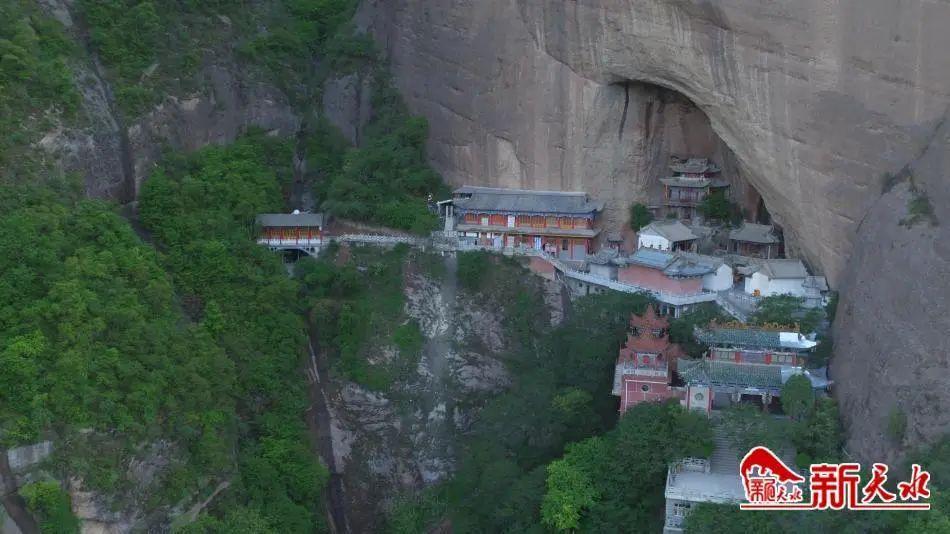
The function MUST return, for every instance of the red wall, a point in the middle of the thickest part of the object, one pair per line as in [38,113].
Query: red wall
[656,280]
[632,394]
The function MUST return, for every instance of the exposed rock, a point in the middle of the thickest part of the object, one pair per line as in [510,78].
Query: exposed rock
[229,104]
[817,100]
[348,104]
[892,352]
[481,326]
[23,458]
[475,372]
[96,515]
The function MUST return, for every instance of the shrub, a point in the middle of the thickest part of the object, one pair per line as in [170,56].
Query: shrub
[473,267]
[896,424]
[640,216]
[51,504]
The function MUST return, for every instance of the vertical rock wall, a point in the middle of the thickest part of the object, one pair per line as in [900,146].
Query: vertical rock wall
[817,99]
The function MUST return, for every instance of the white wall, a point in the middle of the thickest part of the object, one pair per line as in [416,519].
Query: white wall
[768,288]
[719,280]
[653,241]
[792,286]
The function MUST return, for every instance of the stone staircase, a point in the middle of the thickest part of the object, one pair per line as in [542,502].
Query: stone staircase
[725,458]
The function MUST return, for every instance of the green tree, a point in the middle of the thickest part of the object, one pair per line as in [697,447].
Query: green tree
[570,489]
[818,436]
[51,504]
[640,216]
[717,206]
[797,396]
[473,266]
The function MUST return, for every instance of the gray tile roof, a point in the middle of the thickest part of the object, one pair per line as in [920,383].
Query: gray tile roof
[777,269]
[682,181]
[754,233]
[730,374]
[493,199]
[673,264]
[290,219]
[693,166]
[604,256]
[648,257]
[740,337]
[671,230]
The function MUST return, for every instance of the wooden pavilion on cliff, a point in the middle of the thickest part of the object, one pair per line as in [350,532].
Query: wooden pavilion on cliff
[643,372]
[692,181]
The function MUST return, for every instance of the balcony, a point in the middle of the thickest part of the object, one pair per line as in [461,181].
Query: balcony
[290,242]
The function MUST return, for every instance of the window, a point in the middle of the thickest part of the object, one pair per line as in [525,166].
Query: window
[564,244]
[680,509]
[645,388]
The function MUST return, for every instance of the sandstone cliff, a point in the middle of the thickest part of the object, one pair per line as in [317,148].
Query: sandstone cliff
[817,100]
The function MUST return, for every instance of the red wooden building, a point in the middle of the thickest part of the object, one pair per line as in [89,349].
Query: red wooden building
[644,366]
[561,223]
[285,231]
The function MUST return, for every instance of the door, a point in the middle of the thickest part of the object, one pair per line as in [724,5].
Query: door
[511,221]
[537,243]
[580,251]
[510,241]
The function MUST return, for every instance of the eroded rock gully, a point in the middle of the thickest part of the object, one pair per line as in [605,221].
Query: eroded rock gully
[818,100]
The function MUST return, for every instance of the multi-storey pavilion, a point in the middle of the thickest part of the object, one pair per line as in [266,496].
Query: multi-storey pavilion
[692,181]
[643,372]
[561,223]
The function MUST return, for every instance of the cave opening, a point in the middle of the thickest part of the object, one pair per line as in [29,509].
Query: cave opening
[672,160]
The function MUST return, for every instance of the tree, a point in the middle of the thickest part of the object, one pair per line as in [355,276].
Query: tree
[570,490]
[52,507]
[716,206]
[818,436]
[640,216]
[797,396]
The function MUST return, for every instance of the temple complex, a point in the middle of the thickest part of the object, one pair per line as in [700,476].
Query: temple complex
[745,362]
[643,372]
[563,224]
[693,180]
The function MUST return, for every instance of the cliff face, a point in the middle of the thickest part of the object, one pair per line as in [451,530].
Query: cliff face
[115,155]
[817,100]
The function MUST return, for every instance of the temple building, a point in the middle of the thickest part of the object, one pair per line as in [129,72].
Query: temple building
[755,240]
[693,180]
[776,277]
[745,363]
[667,235]
[291,231]
[643,371]
[677,274]
[564,224]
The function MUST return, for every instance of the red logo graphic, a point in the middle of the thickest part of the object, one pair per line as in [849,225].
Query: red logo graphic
[770,484]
